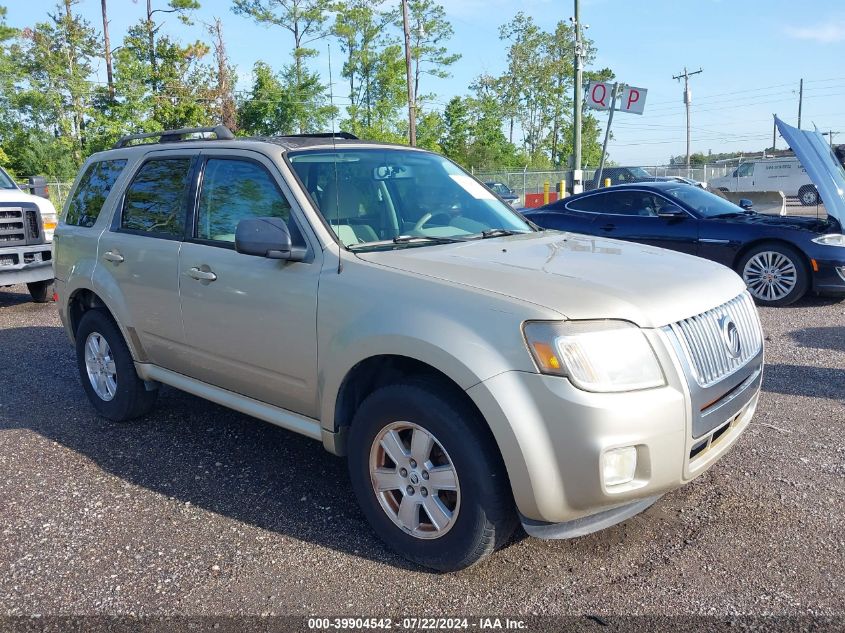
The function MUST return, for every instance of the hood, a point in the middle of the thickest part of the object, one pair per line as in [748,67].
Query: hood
[822,166]
[579,276]
[16,195]
[813,225]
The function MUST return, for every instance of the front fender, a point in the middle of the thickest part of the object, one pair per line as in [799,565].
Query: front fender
[467,334]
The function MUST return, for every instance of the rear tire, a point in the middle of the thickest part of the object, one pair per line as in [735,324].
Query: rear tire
[776,274]
[444,528]
[40,291]
[808,195]
[107,370]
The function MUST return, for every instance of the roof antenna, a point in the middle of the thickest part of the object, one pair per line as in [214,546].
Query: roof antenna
[334,162]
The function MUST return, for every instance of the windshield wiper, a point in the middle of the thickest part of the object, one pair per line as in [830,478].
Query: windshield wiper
[434,239]
[408,239]
[496,233]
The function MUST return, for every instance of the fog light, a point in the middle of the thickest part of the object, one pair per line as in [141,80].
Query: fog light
[841,272]
[619,465]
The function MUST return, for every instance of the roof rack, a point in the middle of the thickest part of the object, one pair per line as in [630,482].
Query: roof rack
[344,135]
[172,136]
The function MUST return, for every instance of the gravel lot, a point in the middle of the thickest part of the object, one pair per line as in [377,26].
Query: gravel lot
[200,510]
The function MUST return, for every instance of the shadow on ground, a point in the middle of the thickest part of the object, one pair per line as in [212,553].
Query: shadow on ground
[12,298]
[805,381]
[189,449]
[832,338]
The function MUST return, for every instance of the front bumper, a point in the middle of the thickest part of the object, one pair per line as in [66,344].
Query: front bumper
[25,264]
[830,277]
[552,436]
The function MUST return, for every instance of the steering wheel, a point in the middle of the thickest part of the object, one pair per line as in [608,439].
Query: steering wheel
[421,222]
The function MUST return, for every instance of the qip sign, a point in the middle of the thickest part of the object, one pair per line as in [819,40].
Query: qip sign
[631,99]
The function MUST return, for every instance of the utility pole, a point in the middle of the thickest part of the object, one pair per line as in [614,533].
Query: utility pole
[107,46]
[774,135]
[829,134]
[687,102]
[800,100]
[412,114]
[577,98]
[617,88]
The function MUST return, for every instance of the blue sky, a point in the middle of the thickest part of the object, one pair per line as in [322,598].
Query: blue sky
[753,53]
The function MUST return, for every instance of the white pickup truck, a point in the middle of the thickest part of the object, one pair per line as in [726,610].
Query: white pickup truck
[27,223]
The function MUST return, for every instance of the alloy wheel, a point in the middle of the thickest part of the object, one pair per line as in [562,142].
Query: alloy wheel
[100,366]
[414,480]
[809,198]
[770,275]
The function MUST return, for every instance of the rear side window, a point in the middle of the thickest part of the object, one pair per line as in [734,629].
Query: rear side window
[94,187]
[155,201]
[234,190]
[596,203]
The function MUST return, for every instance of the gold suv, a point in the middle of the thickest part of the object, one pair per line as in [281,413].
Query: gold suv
[478,372]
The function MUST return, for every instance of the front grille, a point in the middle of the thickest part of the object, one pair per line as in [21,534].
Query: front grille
[12,226]
[705,343]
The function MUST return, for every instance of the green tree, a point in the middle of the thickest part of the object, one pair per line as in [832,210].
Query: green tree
[182,9]
[430,130]
[305,19]
[429,29]
[374,68]
[275,107]
[51,94]
[456,130]
[267,110]
[10,72]
[178,91]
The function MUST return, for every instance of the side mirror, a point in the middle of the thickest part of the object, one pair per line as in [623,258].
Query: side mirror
[266,237]
[746,204]
[671,211]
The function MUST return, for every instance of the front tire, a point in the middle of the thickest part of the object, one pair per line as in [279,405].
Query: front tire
[429,477]
[40,291]
[107,371]
[776,274]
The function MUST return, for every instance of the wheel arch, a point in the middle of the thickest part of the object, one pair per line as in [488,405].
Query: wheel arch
[376,371]
[746,248]
[83,299]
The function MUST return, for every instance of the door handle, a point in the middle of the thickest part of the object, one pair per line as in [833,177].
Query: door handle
[113,256]
[201,275]
[608,227]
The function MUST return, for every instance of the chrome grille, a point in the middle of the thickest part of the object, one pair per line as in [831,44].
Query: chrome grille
[703,342]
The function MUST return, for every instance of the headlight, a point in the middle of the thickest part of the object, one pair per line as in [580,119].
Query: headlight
[831,239]
[595,355]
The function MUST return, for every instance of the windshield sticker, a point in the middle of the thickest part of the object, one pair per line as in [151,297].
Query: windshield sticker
[473,188]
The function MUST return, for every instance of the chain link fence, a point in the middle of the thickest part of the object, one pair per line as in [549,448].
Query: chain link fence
[533,181]
[57,192]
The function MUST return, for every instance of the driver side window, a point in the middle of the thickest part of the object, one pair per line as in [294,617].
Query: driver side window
[746,169]
[234,190]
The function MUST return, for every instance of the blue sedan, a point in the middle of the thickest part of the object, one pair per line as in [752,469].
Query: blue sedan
[779,258]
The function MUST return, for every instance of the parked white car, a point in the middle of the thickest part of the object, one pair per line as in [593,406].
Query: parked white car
[770,174]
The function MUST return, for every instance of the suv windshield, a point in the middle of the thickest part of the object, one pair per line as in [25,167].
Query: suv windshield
[384,197]
[707,204]
[6,181]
